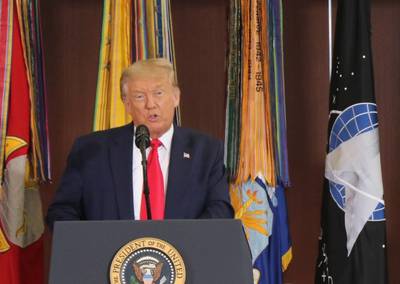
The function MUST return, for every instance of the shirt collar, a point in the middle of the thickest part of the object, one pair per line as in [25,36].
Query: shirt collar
[166,138]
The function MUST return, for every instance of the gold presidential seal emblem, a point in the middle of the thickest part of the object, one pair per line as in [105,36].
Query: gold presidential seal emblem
[147,261]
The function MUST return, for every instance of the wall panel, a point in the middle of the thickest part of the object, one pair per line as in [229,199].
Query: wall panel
[71,41]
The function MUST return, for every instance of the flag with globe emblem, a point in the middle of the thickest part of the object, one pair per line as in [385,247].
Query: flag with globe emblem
[353,229]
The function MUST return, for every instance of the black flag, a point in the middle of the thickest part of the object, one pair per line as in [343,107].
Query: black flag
[353,233]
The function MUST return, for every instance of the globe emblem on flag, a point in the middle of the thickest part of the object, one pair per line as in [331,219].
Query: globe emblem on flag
[354,120]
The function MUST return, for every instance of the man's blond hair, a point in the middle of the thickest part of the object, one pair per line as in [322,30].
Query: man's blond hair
[149,68]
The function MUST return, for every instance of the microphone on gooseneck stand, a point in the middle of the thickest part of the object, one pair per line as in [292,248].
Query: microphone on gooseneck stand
[142,141]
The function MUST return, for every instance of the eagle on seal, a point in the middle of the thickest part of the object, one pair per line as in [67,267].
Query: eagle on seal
[147,275]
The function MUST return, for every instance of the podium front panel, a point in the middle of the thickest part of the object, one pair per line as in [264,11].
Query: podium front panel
[213,251]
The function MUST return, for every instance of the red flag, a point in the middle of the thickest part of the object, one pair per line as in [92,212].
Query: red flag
[20,207]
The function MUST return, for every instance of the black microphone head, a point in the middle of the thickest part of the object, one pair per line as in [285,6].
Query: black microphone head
[142,137]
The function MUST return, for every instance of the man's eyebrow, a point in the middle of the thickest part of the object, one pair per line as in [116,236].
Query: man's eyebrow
[159,86]
[156,87]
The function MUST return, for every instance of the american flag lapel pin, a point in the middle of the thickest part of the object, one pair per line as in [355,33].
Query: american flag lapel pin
[186,155]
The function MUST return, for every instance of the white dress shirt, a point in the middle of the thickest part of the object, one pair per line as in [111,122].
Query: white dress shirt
[164,153]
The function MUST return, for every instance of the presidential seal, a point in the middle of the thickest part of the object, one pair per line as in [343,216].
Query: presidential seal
[147,261]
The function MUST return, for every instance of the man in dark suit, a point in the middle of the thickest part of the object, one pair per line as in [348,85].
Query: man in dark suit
[103,178]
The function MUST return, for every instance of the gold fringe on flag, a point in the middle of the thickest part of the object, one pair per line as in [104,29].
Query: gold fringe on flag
[256,149]
[115,55]
[150,27]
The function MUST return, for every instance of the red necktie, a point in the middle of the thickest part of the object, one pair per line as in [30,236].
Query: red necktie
[156,185]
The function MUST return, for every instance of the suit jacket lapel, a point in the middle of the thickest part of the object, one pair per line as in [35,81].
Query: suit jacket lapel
[178,174]
[121,148]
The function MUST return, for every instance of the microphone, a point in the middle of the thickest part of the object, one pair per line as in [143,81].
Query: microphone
[142,141]
[142,137]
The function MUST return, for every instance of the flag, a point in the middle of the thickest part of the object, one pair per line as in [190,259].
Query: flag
[255,134]
[250,202]
[24,142]
[233,100]
[275,258]
[115,56]
[20,207]
[353,232]
[277,89]
[6,31]
[132,30]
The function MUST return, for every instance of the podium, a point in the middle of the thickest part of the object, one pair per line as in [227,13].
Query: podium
[213,251]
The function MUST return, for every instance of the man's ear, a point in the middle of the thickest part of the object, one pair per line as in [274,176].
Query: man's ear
[177,96]
[123,99]
[127,103]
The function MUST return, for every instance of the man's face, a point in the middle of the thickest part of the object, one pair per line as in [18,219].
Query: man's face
[152,101]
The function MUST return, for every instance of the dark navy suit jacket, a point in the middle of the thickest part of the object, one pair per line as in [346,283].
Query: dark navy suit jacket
[97,182]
